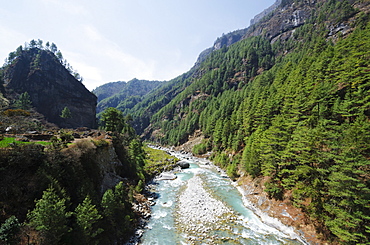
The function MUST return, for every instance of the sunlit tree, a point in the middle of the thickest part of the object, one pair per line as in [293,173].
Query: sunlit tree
[50,217]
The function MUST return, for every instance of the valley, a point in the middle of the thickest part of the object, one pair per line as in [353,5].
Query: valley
[273,119]
[202,206]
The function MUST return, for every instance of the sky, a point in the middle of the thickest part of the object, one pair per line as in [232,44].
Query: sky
[118,40]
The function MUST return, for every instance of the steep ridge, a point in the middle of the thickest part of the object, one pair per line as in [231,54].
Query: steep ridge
[51,88]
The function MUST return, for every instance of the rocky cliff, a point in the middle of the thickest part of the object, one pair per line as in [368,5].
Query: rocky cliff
[51,88]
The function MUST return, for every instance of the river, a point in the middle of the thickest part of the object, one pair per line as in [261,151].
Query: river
[203,206]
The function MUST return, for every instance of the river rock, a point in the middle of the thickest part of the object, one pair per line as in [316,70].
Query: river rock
[167,176]
[183,164]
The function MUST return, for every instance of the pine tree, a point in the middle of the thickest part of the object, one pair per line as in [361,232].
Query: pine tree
[113,120]
[50,217]
[87,216]
[24,101]
[66,113]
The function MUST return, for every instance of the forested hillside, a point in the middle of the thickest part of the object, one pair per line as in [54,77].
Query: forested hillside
[293,107]
[60,192]
[122,95]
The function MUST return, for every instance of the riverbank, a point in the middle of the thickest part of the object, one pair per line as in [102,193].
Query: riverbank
[196,208]
[257,199]
[282,210]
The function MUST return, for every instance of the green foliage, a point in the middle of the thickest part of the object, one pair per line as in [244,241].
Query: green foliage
[137,157]
[75,174]
[7,141]
[113,120]
[66,113]
[87,216]
[24,101]
[200,149]
[33,49]
[65,136]
[274,190]
[221,160]
[296,111]
[50,217]
[157,161]
[121,95]
[9,230]
[116,210]
[232,171]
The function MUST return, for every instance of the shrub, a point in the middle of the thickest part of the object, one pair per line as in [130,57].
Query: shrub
[274,190]
[66,137]
[9,230]
[16,112]
[85,145]
[232,171]
[100,143]
[200,149]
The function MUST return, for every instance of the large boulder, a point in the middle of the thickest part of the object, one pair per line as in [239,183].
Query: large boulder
[183,164]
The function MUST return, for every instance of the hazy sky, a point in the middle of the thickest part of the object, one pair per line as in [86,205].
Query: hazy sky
[118,40]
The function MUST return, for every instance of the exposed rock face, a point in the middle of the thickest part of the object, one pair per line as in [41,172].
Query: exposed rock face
[284,20]
[109,164]
[229,39]
[287,18]
[265,12]
[51,88]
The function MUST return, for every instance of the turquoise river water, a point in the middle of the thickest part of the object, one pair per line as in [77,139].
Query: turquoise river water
[220,215]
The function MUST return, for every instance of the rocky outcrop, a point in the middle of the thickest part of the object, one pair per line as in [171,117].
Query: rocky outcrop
[284,19]
[51,88]
[229,39]
[265,12]
[287,17]
[109,164]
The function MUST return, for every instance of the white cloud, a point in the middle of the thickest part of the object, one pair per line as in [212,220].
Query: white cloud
[131,65]
[99,60]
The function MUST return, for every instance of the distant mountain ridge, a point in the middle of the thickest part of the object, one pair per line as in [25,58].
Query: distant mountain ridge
[108,89]
[123,95]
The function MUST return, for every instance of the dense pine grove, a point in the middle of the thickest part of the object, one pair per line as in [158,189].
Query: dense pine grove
[296,111]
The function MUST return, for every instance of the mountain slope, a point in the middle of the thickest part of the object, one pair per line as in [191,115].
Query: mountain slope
[51,87]
[108,89]
[290,104]
[122,95]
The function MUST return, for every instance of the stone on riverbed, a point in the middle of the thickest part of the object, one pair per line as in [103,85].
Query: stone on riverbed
[166,176]
[183,164]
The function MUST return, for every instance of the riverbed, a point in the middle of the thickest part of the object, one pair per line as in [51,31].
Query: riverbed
[202,206]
